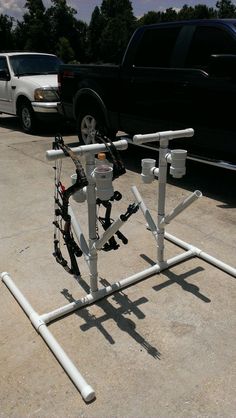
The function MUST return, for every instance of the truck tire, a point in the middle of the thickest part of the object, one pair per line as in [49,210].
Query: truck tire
[26,116]
[89,121]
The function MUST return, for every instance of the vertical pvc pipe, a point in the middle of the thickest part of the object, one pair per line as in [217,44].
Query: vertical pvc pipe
[162,178]
[92,219]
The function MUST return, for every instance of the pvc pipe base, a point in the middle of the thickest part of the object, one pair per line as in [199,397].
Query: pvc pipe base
[88,393]
[39,322]
[86,390]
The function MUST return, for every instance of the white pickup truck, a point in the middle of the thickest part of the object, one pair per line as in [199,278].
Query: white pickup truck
[29,87]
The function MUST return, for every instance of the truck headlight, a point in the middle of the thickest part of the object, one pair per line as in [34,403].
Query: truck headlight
[46,95]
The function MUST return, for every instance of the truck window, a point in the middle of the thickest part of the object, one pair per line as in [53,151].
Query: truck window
[3,63]
[34,64]
[156,47]
[207,41]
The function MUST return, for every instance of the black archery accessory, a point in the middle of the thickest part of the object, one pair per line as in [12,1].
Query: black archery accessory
[62,221]
[118,170]
[106,221]
[118,165]
[132,208]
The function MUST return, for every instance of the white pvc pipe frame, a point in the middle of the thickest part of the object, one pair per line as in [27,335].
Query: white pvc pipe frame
[40,321]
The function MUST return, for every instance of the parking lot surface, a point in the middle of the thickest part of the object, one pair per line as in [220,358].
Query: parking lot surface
[164,347]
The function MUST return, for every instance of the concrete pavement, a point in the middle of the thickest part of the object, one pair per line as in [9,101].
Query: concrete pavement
[164,347]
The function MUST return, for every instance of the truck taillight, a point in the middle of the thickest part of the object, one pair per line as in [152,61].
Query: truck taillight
[59,79]
[62,75]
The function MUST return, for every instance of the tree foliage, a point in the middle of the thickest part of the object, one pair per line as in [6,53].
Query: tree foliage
[225,9]
[6,36]
[95,29]
[118,24]
[58,29]
[33,29]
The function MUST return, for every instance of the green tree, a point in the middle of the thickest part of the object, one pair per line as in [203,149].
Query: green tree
[114,8]
[226,9]
[79,40]
[119,23]
[62,20]
[34,28]
[64,50]
[149,18]
[201,11]
[95,29]
[63,24]
[186,13]
[6,37]
[169,15]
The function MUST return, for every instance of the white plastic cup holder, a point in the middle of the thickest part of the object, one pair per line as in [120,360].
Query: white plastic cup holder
[79,196]
[103,175]
[178,163]
[148,165]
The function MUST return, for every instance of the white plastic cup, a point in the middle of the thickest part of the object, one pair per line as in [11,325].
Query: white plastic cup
[103,175]
[147,165]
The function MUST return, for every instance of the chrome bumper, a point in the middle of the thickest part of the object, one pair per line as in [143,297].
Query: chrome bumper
[43,107]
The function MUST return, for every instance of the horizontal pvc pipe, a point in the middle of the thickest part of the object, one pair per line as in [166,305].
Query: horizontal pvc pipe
[23,302]
[179,242]
[106,291]
[158,136]
[220,264]
[91,148]
[101,293]
[179,208]
[201,254]
[86,390]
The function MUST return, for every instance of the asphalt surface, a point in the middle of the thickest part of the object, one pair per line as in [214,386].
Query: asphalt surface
[164,347]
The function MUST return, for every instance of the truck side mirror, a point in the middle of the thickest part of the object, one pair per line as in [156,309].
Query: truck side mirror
[223,66]
[4,75]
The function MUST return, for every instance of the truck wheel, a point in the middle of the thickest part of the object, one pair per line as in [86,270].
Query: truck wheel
[27,117]
[88,123]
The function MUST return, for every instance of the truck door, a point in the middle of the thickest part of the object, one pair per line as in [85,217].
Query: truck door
[5,87]
[149,82]
[208,96]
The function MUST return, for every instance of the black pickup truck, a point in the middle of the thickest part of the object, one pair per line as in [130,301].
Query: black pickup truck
[173,76]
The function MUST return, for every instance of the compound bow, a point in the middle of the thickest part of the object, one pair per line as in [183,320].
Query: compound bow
[62,220]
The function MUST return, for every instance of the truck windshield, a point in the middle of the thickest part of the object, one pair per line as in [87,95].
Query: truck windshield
[34,64]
